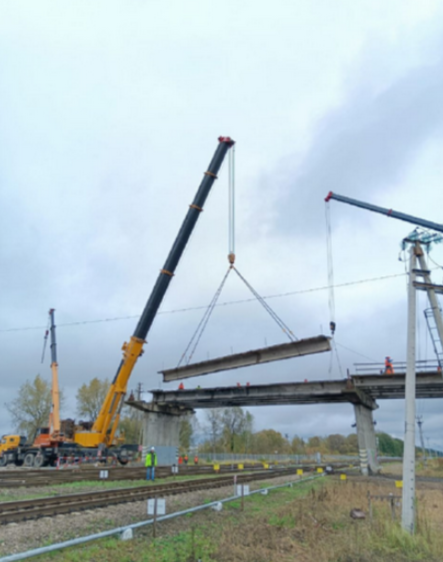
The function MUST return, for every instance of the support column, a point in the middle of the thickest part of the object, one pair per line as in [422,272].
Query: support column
[367,443]
[162,431]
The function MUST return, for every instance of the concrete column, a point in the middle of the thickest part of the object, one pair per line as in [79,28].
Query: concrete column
[367,444]
[162,431]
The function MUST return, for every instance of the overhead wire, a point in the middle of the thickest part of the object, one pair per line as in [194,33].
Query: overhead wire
[357,352]
[203,307]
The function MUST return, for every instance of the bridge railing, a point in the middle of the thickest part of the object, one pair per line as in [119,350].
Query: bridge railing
[422,365]
[315,458]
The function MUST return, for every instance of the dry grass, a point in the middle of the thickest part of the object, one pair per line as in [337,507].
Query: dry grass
[319,528]
[433,467]
[307,523]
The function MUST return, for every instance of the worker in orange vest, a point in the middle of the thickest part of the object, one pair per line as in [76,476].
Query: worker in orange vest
[389,369]
[196,459]
[181,386]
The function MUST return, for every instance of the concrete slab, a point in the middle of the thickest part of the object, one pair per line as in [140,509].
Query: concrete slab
[298,348]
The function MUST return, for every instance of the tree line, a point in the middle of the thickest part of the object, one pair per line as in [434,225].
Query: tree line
[228,430]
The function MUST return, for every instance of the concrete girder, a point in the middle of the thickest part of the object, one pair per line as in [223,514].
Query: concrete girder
[269,394]
[428,385]
[298,348]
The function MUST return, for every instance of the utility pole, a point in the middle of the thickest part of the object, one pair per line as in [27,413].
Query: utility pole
[408,496]
[420,431]
[429,449]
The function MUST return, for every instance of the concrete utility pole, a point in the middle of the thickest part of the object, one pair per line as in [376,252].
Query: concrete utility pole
[429,454]
[420,431]
[408,496]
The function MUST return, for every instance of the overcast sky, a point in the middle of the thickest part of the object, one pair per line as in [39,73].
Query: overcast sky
[110,112]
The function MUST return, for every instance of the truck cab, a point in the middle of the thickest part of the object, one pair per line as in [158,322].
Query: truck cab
[10,442]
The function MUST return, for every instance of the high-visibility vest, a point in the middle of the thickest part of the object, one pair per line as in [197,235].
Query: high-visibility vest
[151,459]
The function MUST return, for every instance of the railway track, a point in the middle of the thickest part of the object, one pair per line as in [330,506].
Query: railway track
[23,510]
[44,477]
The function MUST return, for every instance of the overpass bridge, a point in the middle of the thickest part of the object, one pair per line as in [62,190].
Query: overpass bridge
[163,413]
[357,389]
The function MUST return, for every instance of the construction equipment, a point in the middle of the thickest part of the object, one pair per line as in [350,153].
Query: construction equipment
[388,212]
[64,438]
[44,449]
[50,435]
[417,238]
[104,427]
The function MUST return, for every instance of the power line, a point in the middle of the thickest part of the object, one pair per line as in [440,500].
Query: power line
[202,307]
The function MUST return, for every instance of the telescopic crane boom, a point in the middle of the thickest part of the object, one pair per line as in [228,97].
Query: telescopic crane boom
[388,212]
[105,426]
[54,416]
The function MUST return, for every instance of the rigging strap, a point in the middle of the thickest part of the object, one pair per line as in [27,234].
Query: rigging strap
[268,309]
[195,339]
[332,324]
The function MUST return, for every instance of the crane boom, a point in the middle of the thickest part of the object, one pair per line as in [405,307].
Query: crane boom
[388,212]
[54,417]
[105,426]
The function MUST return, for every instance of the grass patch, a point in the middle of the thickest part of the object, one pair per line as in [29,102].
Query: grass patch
[307,522]
[13,494]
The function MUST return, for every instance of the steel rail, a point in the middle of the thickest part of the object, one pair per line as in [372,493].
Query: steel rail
[42,477]
[140,524]
[22,510]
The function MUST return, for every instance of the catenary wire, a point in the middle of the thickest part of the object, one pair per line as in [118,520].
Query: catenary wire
[202,307]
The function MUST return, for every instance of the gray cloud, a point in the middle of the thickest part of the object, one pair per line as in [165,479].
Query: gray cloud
[107,124]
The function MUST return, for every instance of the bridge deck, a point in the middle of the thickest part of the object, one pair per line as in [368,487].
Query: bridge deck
[359,389]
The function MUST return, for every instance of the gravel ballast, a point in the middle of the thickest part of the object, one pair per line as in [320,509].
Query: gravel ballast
[18,537]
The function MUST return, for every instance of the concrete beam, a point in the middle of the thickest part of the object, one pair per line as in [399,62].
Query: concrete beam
[428,385]
[165,409]
[265,355]
[268,394]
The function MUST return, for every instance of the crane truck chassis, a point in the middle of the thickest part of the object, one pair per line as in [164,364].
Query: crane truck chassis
[15,451]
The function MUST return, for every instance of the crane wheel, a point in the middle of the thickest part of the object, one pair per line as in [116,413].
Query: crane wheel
[38,461]
[3,460]
[29,460]
[122,457]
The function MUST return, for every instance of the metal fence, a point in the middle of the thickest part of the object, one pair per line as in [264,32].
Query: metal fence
[316,458]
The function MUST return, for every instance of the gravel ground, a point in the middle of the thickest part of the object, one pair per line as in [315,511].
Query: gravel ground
[18,537]
[14,494]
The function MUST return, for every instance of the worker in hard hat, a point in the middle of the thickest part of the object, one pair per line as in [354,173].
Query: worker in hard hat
[389,369]
[150,464]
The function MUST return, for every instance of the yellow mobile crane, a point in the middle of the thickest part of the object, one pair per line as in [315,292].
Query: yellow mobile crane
[44,450]
[50,435]
[102,433]
[63,439]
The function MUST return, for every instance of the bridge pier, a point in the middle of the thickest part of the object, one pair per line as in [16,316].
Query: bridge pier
[161,429]
[367,443]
